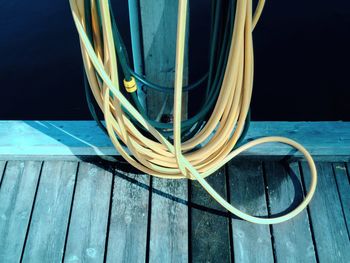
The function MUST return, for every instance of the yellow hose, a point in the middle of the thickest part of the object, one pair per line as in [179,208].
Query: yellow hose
[218,137]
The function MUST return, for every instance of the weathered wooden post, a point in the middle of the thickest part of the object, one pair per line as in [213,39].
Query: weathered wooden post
[159,27]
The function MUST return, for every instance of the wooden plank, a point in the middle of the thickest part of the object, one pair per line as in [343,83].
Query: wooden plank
[252,242]
[159,29]
[53,138]
[48,227]
[2,170]
[292,239]
[69,139]
[127,236]
[343,185]
[89,218]
[169,221]
[332,240]
[16,201]
[207,221]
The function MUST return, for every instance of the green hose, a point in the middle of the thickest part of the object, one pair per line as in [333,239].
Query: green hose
[218,57]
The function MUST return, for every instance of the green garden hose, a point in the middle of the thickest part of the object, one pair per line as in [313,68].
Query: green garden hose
[193,124]
[216,141]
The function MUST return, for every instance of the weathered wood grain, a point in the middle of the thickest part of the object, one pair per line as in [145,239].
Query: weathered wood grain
[17,195]
[52,139]
[252,243]
[292,239]
[159,28]
[332,240]
[2,170]
[47,231]
[342,180]
[43,140]
[46,218]
[206,223]
[127,236]
[169,221]
[89,218]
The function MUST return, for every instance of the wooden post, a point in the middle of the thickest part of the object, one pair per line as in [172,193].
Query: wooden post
[159,27]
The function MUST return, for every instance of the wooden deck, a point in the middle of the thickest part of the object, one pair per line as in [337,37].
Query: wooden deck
[54,211]
[76,139]
[60,202]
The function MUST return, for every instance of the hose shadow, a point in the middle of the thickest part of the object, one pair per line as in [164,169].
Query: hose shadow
[73,140]
[172,197]
[292,182]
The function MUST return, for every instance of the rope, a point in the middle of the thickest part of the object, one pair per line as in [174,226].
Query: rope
[216,142]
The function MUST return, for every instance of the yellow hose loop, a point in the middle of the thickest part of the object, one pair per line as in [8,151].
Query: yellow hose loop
[215,144]
[130,85]
[179,65]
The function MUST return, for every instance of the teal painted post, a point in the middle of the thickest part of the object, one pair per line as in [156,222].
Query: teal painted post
[135,32]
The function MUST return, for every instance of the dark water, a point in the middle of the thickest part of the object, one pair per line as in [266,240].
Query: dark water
[301,59]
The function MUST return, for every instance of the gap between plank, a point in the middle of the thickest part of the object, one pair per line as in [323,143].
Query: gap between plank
[340,198]
[3,174]
[149,215]
[230,227]
[109,214]
[189,221]
[31,212]
[308,211]
[70,212]
[267,199]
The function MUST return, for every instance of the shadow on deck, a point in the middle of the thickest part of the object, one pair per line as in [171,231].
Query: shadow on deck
[59,201]
[78,211]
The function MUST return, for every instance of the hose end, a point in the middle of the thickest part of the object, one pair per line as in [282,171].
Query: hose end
[130,85]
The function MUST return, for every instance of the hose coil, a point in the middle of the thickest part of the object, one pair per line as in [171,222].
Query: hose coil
[215,143]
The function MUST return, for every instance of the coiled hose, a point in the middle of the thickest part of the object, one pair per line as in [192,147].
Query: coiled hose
[215,143]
